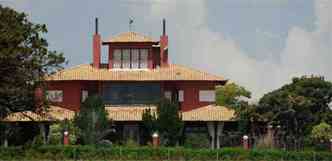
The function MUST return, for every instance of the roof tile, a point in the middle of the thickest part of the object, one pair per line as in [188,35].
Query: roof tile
[173,72]
[129,37]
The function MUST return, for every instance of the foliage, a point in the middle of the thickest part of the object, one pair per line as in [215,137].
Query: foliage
[57,130]
[149,125]
[169,122]
[197,141]
[24,61]
[298,106]
[265,142]
[230,95]
[322,132]
[320,136]
[92,121]
[234,96]
[13,133]
[148,153]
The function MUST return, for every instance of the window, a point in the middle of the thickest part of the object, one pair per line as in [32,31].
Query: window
[168,95]
[207,96]
[130,58]
[54,95]
[134,58]
[85,95]
[126,58]
[181,96]
[117,58]
[144,58]
[131,93]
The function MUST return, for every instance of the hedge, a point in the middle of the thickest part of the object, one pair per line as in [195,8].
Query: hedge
[149,153]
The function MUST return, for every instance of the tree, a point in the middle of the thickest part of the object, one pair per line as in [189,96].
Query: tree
[297,107]
[169,122]
[322,132]
[234,96]
[321,135]
[92,121]
[149,125]
[24,61]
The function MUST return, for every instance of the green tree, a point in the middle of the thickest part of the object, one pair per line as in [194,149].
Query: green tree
[167,122]
[149,125]
[230,95]
[234,96]
[91,121]
[321,135]
[295,108]
[322,132]
[298,106]
[24,61]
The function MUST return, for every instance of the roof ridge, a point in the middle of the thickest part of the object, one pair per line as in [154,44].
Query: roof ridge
[130,33]
[199,71]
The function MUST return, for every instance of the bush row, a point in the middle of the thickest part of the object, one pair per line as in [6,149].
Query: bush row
[148,153]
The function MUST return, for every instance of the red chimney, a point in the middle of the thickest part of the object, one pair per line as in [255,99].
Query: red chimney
[164,47]
[96,47]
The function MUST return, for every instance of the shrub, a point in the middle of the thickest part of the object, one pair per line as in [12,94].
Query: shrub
[59,152]
[196,141]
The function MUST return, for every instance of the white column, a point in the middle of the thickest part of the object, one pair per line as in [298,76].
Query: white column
[211,130]
[5,142]
[220,127]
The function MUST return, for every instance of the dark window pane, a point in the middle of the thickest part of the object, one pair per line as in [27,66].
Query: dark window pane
[131,93]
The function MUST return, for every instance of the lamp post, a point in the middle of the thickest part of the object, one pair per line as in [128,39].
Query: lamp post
[331,145]
[245,142]
[155,139]
[66,138]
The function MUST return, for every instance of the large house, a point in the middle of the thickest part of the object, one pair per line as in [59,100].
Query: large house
[138,74]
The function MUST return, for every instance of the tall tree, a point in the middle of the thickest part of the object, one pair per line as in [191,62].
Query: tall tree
[235,97]
[231,95]
[169,122]
[298,106]
[91,121]
[24,61]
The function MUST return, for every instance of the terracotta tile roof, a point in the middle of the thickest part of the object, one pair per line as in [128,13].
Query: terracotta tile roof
[54,113]
[127,113]
[209,113]
[173,72]
[206,113]
[59,113]
[129,37]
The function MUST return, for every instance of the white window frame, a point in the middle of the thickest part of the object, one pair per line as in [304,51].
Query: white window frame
[207,95]
[84,95]
[54,95]
[117,58]
[168,95]
[144,58]
[181,95]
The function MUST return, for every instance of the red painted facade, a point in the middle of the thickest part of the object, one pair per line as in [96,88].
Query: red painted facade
[72,92]
[157,56]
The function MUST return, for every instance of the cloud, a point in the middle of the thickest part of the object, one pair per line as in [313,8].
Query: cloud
[195,44]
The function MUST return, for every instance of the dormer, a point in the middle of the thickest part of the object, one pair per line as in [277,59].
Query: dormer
[131,50]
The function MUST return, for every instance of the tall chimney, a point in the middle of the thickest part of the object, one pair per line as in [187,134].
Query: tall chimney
[96,46]
[164,47]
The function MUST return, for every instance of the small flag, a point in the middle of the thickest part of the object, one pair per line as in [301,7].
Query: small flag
[131,20]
